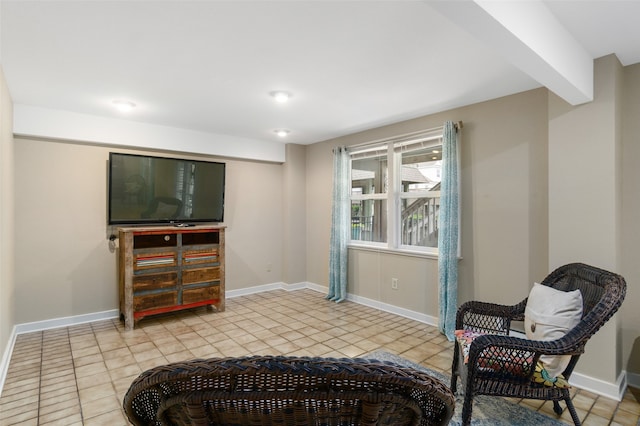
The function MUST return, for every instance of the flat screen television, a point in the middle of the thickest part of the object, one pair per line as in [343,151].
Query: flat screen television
[158,190]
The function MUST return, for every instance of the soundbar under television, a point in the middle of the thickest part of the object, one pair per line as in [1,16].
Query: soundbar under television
[157,190]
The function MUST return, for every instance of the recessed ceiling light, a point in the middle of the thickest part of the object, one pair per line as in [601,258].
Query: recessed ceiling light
[280,95]
[124,106]
[282,132]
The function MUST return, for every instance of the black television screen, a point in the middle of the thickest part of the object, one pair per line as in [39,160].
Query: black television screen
[145,189]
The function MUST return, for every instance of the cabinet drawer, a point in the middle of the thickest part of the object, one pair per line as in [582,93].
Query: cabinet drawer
[155,301]
[199,294]
[194,257]
[142,261]
[154,281]
[202,275]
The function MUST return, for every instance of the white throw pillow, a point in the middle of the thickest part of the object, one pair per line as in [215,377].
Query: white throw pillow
[549,315]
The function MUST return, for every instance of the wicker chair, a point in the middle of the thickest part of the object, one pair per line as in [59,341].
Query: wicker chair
[279,390]
[602,294]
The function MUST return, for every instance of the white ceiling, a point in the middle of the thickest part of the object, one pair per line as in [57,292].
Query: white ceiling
[208,66]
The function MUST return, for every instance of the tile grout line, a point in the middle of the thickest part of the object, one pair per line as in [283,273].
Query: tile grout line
[40,375]
[75,376]
[111,378]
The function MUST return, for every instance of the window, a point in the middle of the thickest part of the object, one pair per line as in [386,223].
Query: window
[185,182]
[395,192]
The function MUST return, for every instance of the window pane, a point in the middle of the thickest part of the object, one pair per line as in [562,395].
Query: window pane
[369,220]
[420,221]
[414,187]
[369,173]
[421,168]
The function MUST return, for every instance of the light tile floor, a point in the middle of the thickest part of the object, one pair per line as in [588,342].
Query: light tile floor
[78,375]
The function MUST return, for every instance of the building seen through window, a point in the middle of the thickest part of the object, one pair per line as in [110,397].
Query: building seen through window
[395,193]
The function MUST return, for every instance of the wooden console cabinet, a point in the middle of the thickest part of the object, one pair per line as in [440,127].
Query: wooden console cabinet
[168,268]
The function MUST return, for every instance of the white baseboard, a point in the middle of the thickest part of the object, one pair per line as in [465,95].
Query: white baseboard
[318,288]
[6,357]
[417,316]
[633,379]
[65,321]
[600,387]
[230,294]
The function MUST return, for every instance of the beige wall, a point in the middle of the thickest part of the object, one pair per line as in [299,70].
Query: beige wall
[504,209]
[64,263]
[7,288]
[295,215]
[584,200]
[504,197]
[253,214]
[585,197]
[629,313]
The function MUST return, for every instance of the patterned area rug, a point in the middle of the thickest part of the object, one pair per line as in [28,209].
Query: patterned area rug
[486,410]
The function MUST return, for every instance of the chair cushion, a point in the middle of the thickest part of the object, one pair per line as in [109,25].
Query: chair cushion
[496,360]
[509,360]
[549,315]
[540,375]
[464,338]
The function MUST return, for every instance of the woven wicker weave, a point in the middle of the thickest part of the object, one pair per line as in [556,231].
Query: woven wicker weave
[602,293]
[279,390]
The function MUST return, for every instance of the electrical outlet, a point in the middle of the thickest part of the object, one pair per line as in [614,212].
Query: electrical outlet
[394,283]
[268,267]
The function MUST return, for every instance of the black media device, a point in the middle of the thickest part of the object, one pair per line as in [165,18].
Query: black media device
[157,190]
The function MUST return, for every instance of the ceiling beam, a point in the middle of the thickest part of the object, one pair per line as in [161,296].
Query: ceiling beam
[531,38]
[56,124]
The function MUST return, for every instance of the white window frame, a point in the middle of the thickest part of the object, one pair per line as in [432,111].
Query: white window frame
[394,193]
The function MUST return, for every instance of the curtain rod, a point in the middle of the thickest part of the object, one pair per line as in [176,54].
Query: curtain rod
[457,125]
